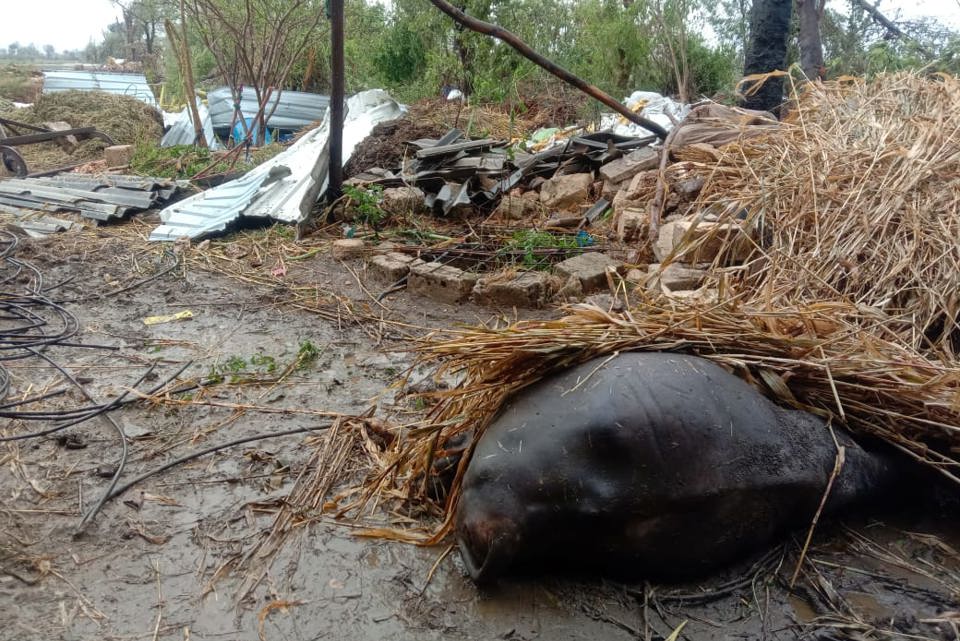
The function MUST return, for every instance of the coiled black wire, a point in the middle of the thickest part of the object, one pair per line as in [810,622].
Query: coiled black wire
[31,323]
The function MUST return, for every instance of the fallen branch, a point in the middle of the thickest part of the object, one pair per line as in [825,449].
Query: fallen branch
[524,50]
[891,28]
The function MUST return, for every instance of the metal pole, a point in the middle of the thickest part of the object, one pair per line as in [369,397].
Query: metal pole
[336,101]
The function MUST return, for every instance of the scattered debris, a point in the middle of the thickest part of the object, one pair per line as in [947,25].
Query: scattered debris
[15,134]
[34,224]
[99,198]
[286,187]
[168,318]
[460,175]
[180,128]
[121,119]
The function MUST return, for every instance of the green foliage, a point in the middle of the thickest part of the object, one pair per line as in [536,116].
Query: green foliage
[400,56]
[364,204]
[712,69]
[179,161]
[854,44]
[263,362]
[529,241]
[231,370]
[307,353]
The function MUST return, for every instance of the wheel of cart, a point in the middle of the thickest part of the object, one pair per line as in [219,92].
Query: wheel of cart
[12,159]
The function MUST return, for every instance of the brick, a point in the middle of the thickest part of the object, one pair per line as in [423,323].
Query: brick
[632,224]
[526,289]
[402,200]
[118,155]
[512,207]
[672,234]
[440,282]
[589,268]
[567,191]
[391,266]
[347,248]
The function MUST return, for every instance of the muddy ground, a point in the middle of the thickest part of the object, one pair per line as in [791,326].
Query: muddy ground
[154,563]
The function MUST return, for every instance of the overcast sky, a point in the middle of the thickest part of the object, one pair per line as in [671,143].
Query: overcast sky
[70,24]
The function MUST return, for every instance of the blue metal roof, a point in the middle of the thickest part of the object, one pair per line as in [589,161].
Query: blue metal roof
[295,110]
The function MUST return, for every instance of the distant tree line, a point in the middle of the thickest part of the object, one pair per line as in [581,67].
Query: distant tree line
[30,53]
[686,48]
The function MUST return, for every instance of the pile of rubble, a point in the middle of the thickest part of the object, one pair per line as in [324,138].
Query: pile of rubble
[568,186]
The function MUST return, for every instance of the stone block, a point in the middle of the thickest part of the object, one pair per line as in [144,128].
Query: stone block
[347,248]
[513,207]
[391,266]
[589,268]
[610,189]
[626,167]
[118,155]
[402,200]
[636,192]
[566,192]
[702,296]
[526,289]
[440,282]
[702,241]
[570,290]
[675,277]
[632,224]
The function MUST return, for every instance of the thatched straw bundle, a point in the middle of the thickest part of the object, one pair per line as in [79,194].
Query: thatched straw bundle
[846,307]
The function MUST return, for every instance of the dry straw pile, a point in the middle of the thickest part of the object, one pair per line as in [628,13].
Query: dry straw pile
[847,306]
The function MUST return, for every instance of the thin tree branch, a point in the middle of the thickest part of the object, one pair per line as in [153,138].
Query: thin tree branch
[523,49]
[887,24]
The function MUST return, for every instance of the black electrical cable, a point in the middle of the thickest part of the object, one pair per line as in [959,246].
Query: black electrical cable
[30,324]
[214,448]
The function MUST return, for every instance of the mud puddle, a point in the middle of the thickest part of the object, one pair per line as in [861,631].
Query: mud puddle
[158,562]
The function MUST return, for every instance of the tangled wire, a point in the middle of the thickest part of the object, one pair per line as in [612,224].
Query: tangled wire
[30,324]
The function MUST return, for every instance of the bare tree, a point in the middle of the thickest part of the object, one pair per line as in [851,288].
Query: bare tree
[256,42]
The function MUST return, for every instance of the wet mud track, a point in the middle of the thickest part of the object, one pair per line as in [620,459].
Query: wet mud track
[156,562]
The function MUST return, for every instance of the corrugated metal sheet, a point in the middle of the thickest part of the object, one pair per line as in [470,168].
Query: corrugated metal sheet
[181,128]
[284,188]
[125,84]
[295,110]
[97,197]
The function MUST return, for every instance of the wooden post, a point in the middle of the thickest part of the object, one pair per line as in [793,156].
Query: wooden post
[335,184]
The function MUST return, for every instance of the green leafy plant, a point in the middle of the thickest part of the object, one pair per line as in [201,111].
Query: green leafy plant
[264,363]
[307,353]
[364,204]
[530,241]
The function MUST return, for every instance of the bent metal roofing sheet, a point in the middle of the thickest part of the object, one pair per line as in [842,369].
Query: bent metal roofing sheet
[284,188]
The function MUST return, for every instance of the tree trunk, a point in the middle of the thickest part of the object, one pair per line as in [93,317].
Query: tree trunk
[767,51]
[182,48]
[811,47]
